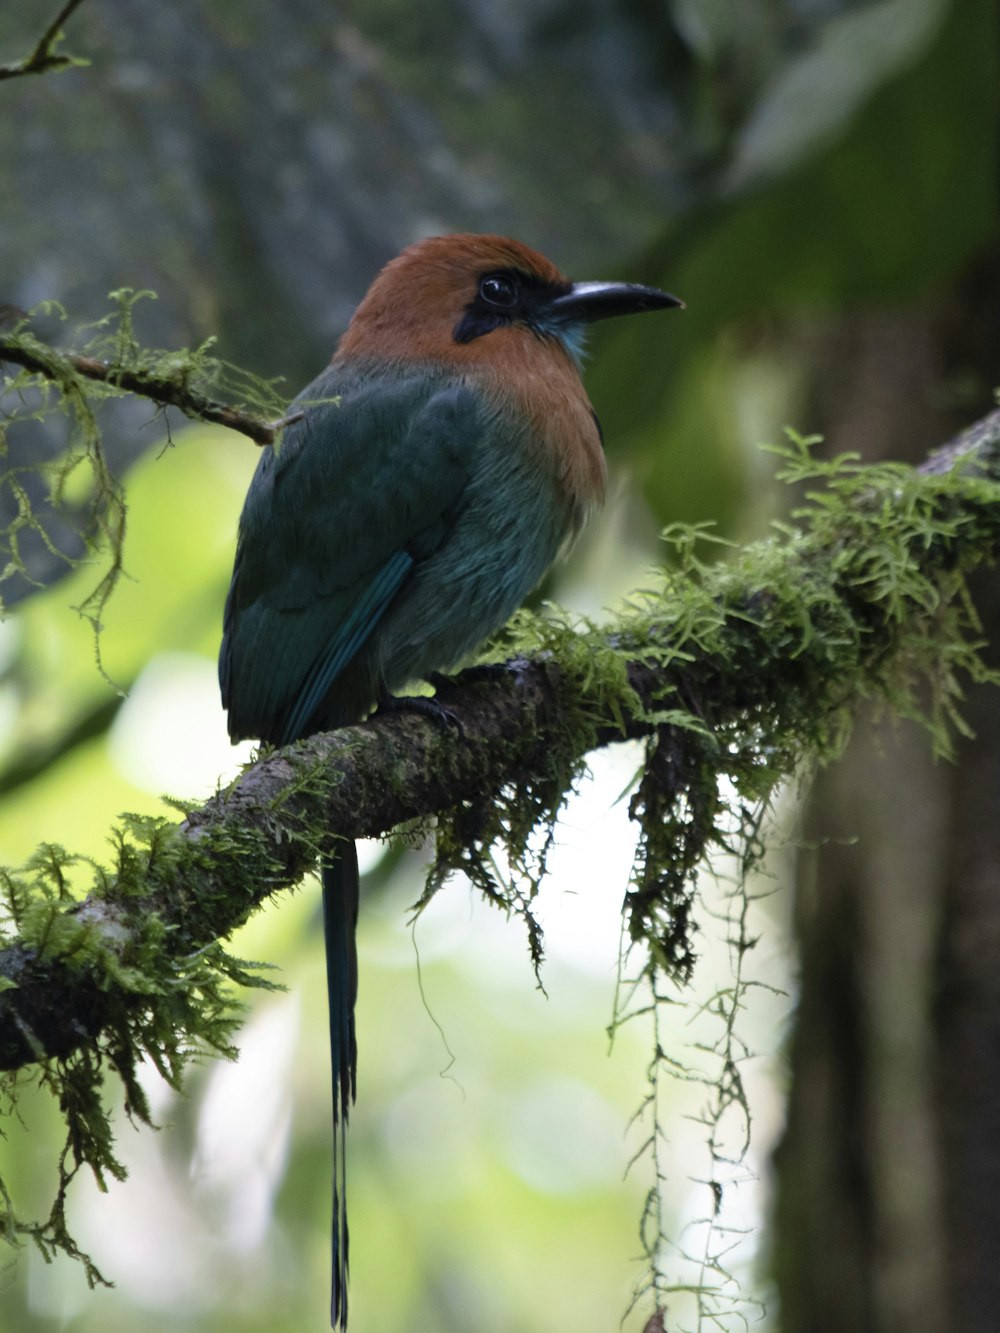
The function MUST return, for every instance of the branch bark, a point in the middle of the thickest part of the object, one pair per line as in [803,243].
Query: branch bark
[360,781]
[167,392]
[264,832]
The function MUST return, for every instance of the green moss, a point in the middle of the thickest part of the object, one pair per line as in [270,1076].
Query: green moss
[763,657]
[761,662]
[164,1002]
[78,481]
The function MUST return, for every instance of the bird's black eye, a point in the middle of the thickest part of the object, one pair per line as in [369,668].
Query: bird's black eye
[498,289]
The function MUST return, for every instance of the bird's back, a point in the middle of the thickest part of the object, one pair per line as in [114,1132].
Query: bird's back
[402,520]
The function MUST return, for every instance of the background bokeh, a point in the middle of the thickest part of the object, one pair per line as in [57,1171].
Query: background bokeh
[818,180]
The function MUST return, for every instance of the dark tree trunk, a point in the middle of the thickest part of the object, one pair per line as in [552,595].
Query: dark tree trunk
[967,1032]
[887,1211]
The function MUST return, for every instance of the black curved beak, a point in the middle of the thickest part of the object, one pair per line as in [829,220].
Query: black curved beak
[589,301]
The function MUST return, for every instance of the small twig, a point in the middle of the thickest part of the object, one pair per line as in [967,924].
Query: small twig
[53,365]
[43,57]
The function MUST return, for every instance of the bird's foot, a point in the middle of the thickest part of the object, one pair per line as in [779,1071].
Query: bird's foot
[422,704]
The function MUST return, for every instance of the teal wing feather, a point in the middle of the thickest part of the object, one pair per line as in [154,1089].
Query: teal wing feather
[345,643]
[360,492]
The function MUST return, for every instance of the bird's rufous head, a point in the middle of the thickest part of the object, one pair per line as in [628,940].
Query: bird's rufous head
[470,299]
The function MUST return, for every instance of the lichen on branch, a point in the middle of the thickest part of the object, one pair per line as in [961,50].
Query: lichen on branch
[107,361]
[115,363]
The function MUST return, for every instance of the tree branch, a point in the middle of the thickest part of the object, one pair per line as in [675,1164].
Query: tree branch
[777,647]
[165,390]
[43,57]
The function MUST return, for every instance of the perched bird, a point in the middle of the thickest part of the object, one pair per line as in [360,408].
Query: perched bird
[441,462]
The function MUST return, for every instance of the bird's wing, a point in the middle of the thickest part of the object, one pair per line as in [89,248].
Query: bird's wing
[360,491]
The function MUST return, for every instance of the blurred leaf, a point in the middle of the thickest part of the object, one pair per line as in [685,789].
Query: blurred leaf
[812,95]
[883,215]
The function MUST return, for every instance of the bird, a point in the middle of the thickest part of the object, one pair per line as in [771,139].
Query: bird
[428,478]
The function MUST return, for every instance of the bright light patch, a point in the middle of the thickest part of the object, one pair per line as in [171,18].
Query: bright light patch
[170,734]
[240,1157]
[563,1137]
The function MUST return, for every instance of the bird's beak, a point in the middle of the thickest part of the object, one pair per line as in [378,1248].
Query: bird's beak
[588,301]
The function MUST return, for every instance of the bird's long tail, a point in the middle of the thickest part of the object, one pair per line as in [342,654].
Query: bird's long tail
[340,917]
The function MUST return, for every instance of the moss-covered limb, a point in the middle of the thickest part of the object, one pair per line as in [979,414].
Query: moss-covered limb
[168,386]
[63,505]
[44,55]
[741,671]
[198,881]
[107,360]
[979,444]
[737,675]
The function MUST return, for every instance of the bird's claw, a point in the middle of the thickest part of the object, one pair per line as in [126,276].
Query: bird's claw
[422,704]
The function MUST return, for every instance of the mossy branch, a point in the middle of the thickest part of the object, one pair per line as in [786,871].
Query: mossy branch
[743,670]
[169,387]
[737,674]
[108,361]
